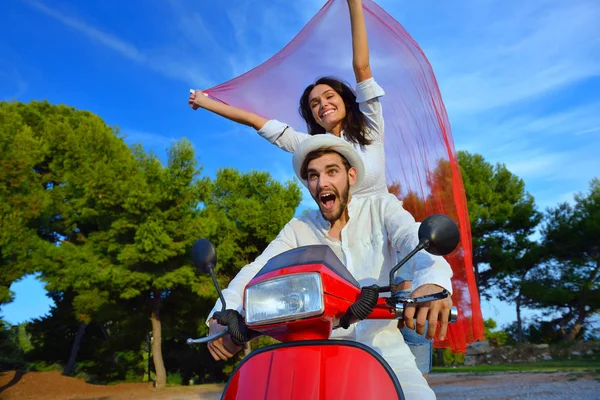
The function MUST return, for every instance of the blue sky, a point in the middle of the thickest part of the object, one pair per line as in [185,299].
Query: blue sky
[520,80]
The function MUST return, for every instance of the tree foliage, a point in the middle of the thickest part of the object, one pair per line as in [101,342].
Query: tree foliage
[569,281]
[493,336]
[24,202]
[110,228]
[503,216]
[76,165]
[249,211]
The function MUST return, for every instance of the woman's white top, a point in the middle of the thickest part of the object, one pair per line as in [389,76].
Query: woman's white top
[373,155]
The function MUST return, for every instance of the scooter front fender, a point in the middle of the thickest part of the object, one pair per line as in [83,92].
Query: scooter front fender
[319,370]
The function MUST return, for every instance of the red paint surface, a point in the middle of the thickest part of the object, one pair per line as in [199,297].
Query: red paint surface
[319,372]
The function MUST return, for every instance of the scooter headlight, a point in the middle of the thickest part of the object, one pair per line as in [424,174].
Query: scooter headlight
[284,298]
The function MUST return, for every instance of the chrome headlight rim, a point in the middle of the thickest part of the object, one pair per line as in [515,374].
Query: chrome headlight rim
[287,318]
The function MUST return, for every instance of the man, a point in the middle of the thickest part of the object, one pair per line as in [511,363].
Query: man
[365,233]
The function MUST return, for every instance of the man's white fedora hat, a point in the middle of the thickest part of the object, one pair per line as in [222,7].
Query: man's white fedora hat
[329,142]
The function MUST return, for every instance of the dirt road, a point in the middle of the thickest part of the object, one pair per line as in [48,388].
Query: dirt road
[504,386]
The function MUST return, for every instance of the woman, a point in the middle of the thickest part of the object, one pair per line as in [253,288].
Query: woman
[329,106]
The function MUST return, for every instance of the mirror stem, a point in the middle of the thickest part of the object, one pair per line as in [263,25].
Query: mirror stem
[214,279]
[423,244]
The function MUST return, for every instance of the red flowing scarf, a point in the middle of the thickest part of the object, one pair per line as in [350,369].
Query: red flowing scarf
[421,164]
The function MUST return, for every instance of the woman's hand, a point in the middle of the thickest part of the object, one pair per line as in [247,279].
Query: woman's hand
[196,98]
[199,99]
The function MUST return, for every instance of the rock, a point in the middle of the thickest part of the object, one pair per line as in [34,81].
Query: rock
[479,348]
[471,361]
[575,353]
[543,346]
[546,357]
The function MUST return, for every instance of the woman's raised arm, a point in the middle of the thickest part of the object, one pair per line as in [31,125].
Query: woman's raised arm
[360,44]
[199,100]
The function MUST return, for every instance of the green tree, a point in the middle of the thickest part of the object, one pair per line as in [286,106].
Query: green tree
[65,168]
[169,207]
[111,350]
[109,227]
[570,280]
[12,356]
[250,210]
[24,202]
[150,239]
[495,338]
[515,257]
[502,215]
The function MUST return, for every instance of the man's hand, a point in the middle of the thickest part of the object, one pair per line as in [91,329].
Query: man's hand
[433,311]
[222,348]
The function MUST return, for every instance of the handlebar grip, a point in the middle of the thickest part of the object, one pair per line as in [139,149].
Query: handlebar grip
[452,317]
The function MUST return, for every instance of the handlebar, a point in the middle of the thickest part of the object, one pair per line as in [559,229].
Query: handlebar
[386,308]
[452,318]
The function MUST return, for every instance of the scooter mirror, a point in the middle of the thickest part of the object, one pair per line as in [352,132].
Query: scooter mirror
[440,234]
[204,256]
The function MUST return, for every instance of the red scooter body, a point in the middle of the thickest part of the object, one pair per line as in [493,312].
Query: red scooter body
[313,369]
[306,365]
[298,298]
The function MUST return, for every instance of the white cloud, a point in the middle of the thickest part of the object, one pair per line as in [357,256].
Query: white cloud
[498,64]
[508,72]
[572,121]
[489,54]
[587,131]
[192,25]
[169,63]
[12,82]
[568,197]
[556,147]
[147,139]
[519,129]
[536,164]
[127,50]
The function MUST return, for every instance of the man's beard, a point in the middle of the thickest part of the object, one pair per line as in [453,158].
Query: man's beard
[343,201]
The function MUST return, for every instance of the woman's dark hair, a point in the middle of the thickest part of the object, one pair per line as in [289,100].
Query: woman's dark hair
[354,124]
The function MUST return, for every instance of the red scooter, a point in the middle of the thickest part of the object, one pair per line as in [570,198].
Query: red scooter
[298,298]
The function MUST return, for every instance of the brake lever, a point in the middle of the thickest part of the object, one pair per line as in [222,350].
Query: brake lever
[394,300]
[208,338]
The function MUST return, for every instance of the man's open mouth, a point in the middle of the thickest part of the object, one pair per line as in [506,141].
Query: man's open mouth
[327,200]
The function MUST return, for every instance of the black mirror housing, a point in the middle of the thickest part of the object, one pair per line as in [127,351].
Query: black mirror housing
[440,233]
[204,256]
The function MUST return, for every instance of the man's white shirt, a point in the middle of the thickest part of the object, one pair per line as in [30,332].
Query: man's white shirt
[378,227]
